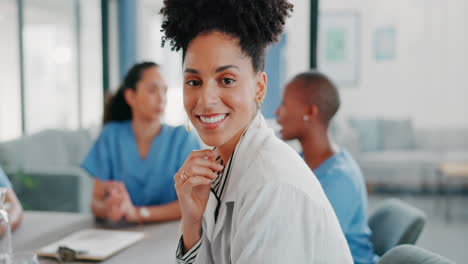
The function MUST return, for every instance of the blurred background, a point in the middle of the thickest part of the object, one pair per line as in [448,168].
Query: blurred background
[401,67]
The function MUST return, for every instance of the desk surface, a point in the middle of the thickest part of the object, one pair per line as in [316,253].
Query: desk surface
[39,229]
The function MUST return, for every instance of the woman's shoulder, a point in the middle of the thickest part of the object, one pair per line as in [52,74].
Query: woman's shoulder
[276,162]
[275,154]
[284,172]
[265,162]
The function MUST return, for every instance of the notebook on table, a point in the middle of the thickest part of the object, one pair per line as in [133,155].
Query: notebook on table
[93,244]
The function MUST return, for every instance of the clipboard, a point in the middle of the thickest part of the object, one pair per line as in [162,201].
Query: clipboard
[93,244]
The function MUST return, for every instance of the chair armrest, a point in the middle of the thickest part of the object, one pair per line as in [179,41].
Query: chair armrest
[52,188]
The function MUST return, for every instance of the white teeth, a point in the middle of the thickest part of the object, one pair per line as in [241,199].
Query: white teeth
[213,119]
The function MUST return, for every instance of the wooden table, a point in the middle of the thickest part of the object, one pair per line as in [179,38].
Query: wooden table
[39,229]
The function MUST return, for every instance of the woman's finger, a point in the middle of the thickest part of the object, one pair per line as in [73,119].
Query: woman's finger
[195,171]
[193,182]
[211,164]
[115,213]
[201,171]
[114,198]
[119,187]
[205,153]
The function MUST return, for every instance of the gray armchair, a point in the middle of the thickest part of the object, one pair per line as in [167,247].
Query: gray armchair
[409,254]
[395,223]
[44,169]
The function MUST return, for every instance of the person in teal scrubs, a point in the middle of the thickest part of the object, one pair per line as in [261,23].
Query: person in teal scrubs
[134,160]
[310,101]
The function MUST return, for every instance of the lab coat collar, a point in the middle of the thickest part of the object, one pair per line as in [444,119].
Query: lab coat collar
[244,155]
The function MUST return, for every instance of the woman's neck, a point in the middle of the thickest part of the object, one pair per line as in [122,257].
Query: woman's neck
[316,148]
[145,130]
[226,150]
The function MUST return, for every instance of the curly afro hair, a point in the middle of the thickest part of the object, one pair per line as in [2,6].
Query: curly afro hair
[256,23]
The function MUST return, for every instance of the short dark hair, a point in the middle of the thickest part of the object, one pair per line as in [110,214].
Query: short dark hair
[319,90]
[256,23]
[116,107]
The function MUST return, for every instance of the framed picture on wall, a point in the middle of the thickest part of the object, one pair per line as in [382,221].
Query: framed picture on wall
[385,44]
[338,46]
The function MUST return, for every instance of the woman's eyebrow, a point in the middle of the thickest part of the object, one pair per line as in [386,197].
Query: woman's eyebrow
[219,69]
[222,68]
[190,70]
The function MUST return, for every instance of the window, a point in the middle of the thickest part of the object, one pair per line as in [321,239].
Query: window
[50,65]
[10,89]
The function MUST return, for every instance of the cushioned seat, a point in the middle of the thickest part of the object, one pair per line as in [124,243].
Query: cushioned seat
[395,223]
[409,254]
[45,169]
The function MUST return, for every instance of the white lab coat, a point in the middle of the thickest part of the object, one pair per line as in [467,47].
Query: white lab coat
[274,209]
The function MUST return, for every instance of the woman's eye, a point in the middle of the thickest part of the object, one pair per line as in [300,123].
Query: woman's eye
[227,81]
[152,89]
[193,83]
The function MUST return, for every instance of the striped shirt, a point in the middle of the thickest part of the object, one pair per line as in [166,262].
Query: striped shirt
[218,186]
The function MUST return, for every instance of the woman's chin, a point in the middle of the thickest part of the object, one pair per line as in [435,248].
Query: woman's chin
[152,118]
[212,140]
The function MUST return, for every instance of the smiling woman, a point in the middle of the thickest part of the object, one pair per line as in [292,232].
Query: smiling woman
[222,89]
[240,203]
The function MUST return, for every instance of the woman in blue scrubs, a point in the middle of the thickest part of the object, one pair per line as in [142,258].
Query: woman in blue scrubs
[135,157]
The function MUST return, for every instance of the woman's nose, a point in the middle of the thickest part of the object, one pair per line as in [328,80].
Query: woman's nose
[209,94]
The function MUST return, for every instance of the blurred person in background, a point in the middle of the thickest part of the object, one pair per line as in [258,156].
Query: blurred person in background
[136,155]
[310,101]
[12,204]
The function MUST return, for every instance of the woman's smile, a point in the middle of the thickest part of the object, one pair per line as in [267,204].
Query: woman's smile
[212,121]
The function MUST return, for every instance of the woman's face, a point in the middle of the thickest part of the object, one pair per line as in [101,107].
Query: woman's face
[290,114]
[221,88]
[149,99]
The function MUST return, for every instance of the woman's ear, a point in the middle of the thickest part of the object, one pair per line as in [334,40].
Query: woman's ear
[129,96]
[312,112]
[262,83]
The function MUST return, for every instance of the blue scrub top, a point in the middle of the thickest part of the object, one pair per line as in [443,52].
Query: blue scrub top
[4,182]
[149,181]
[343,183]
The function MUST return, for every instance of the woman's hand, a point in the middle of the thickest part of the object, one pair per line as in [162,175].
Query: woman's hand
[192,184]
[132,214]
[115,201]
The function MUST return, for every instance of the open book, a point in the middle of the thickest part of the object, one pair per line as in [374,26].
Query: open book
[93,244]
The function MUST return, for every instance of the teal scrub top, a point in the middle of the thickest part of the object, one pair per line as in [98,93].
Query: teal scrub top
[343,183]
[149,181]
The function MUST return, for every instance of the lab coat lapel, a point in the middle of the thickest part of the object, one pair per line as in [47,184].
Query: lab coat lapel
[209,217]
[243,155]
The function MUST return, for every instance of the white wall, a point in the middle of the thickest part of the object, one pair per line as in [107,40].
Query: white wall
[298,42]
[428,80]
